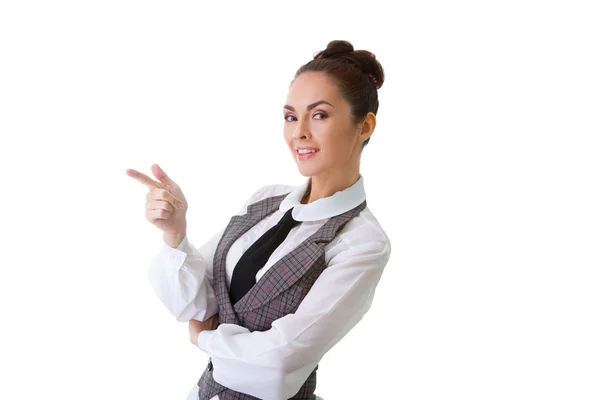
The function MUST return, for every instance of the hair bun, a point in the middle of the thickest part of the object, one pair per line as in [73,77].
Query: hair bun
[363,59]
[335,47]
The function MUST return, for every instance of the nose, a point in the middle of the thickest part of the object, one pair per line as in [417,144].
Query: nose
[301,132]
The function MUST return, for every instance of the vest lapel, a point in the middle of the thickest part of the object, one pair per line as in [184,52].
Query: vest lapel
[291,267]
[238,225]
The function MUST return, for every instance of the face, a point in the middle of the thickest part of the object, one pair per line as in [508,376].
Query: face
[317,119]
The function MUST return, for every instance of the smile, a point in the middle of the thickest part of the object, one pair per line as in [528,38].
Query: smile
[305,154]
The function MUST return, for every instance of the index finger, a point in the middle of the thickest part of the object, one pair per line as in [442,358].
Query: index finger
[144,179]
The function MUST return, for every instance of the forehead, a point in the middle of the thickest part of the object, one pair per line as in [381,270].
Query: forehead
[310,87]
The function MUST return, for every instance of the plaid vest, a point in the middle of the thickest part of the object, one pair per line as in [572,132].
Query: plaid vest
[277,293]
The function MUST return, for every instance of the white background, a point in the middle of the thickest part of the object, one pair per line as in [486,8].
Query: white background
[484,171]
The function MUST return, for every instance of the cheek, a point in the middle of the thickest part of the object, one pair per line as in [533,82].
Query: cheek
[287,133]
[336,139]
[340,143]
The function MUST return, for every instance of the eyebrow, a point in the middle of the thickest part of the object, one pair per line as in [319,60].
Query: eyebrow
[310,106]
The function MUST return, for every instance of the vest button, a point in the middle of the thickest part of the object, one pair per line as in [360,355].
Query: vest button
[210,365]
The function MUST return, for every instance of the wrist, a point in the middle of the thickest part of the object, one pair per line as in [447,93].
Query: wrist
[173,240]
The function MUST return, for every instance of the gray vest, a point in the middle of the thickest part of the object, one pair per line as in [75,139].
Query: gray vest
[277,293]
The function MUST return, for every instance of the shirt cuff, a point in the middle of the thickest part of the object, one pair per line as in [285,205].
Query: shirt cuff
[176,255]
[185,245]
[203,338]
[169,256]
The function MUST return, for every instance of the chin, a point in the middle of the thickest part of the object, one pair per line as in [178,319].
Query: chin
[306,172]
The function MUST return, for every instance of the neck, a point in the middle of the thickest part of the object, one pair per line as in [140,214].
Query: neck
[324,186]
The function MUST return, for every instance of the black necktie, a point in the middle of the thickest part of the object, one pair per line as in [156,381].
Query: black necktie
[244,273]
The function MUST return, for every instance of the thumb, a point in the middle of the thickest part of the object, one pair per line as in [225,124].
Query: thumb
[163,177]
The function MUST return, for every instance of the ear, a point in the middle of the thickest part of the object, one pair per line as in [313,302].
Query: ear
[366,127]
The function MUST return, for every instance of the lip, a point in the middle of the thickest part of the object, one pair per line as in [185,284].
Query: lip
[302,157]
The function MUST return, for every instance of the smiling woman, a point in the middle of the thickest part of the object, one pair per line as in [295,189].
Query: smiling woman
[297,267]
[330,115]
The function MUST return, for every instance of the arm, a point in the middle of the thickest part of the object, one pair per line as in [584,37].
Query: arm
[283,357]
[182,277]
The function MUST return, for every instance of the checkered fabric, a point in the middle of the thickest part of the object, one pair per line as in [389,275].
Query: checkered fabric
[279,291]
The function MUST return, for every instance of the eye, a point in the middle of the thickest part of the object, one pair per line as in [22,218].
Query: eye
[322,114]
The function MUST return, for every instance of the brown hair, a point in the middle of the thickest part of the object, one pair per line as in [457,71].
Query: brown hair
[357,73]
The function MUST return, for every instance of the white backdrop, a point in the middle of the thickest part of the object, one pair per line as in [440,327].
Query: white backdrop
[483,170]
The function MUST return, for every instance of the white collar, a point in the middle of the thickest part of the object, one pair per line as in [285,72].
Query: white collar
[327,207]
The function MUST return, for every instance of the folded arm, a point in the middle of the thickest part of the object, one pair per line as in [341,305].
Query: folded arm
[283,357]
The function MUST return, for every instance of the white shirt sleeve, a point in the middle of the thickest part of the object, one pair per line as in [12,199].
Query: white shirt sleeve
[182,277]
[283,357]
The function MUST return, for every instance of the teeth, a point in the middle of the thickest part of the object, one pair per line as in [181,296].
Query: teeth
[304,151]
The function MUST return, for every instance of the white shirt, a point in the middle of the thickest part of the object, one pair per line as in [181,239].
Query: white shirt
[282,357]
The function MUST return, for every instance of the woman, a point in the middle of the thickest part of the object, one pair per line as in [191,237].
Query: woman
[297,267]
